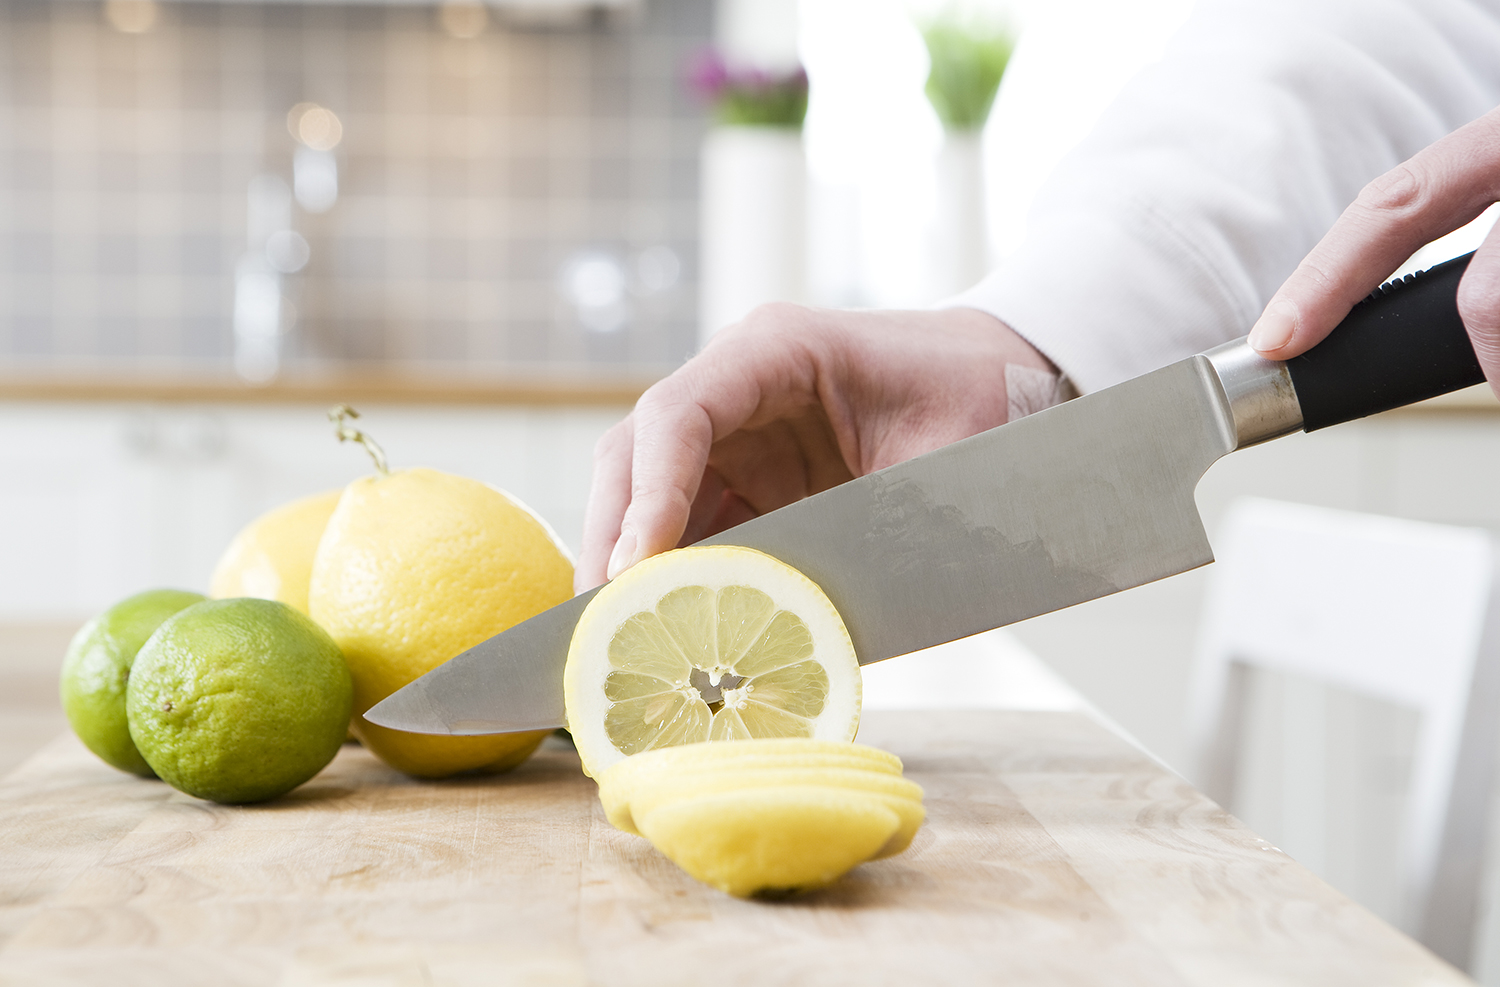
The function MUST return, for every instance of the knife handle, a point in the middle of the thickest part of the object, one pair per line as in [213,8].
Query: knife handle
[1403,343]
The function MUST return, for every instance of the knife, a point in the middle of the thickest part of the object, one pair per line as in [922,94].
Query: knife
[1067,505]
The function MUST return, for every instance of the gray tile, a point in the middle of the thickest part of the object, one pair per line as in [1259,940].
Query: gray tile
[30,335]
[447,259]
[203,255]
[117,255]
[30,253]
[547,159]
[115,335]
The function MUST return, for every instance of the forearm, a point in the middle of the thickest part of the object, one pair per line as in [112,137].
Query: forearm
[1217,170]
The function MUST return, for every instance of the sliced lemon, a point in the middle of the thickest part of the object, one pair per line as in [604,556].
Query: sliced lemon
[707,643]
[774,841]
[656,790]
[747,759]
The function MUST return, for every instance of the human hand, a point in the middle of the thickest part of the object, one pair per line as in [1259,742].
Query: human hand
[787,403]
[1432,194]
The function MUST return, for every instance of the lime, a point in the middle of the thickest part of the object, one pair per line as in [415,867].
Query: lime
[239,700]
[97,666]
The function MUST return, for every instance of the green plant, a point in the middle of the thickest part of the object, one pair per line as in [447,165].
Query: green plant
[748,97]
[968,61]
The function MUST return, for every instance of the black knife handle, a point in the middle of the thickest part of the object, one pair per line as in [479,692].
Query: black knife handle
[1403,343]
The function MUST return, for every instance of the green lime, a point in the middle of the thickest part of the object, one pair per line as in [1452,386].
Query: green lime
[97,667]
[239,700]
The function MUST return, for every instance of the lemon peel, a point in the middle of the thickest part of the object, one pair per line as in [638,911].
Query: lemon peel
[415,567]
[272,556]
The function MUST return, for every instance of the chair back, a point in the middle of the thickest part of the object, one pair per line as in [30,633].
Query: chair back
[1402,611]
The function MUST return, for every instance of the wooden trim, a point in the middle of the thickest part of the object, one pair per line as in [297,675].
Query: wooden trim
[384,387]
[351,387]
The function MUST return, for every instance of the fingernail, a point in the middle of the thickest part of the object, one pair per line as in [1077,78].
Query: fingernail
[1274,328]
[623,557]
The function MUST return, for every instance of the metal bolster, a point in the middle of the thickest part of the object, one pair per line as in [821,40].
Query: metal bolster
[1260,393]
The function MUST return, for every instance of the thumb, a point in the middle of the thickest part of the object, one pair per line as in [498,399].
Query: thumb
[1479,305]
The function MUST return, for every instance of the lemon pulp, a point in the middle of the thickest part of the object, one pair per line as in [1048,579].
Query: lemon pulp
[705,665]
[708,644]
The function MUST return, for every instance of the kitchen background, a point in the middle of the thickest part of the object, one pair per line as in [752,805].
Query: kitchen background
[486,226]
[447,175]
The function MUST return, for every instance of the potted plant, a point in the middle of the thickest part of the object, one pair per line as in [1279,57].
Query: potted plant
[753,192]
[968,57]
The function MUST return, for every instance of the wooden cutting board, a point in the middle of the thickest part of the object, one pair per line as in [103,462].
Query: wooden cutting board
[1054,853]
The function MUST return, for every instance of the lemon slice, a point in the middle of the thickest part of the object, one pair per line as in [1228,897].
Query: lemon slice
[626,808]
[707,643]
[772,842]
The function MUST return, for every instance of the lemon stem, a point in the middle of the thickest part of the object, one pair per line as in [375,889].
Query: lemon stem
[346,432]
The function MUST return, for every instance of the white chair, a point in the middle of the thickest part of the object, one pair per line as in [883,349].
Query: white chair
[1402,611]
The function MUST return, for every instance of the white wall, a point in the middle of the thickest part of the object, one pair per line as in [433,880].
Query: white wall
[98,501]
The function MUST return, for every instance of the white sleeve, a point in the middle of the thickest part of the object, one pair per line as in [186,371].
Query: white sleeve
[1217,169]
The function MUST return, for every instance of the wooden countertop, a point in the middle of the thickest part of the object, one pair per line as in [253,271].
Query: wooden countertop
[1054,853]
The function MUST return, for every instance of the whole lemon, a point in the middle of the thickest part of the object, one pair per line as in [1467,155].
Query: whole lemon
[272,556]
[238,700]
[97,667]
[415,567]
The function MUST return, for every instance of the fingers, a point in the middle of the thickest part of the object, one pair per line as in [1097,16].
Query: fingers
[609,495]
[1479,305]
[1437,191]
[706,503]
[673,433]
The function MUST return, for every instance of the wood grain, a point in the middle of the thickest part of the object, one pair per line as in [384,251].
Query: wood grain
[1054,853]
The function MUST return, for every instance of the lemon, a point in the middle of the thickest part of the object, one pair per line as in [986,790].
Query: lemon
[765,817]
[272,556]
[707,643]
[97,667]
[238,700]
[771,842]
[641,783]
[618,783]
[415,567]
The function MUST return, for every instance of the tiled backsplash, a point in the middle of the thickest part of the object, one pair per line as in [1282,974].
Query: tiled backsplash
[520,198]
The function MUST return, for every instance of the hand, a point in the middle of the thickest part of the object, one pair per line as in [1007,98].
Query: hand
[789,402]
[1437,191]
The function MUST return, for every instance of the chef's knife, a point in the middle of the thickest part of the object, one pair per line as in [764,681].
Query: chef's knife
[1073,503]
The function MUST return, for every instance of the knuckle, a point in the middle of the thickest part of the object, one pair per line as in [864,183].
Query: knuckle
[659,398]
[1479,303]
[1401,193]
[615,438]
[775,314]
[770,321]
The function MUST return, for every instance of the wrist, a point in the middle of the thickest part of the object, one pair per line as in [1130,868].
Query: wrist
[1032,382]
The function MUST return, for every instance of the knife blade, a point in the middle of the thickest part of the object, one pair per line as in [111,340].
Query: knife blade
[1076,502]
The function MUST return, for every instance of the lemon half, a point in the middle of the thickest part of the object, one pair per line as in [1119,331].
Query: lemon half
[707,643]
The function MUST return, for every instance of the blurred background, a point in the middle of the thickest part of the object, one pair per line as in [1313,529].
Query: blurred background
[491,226]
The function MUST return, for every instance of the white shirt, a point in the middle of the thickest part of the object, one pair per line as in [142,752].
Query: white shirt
[1215,172]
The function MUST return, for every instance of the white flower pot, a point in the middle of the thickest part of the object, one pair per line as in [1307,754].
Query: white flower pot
[958,248]
[753,226]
